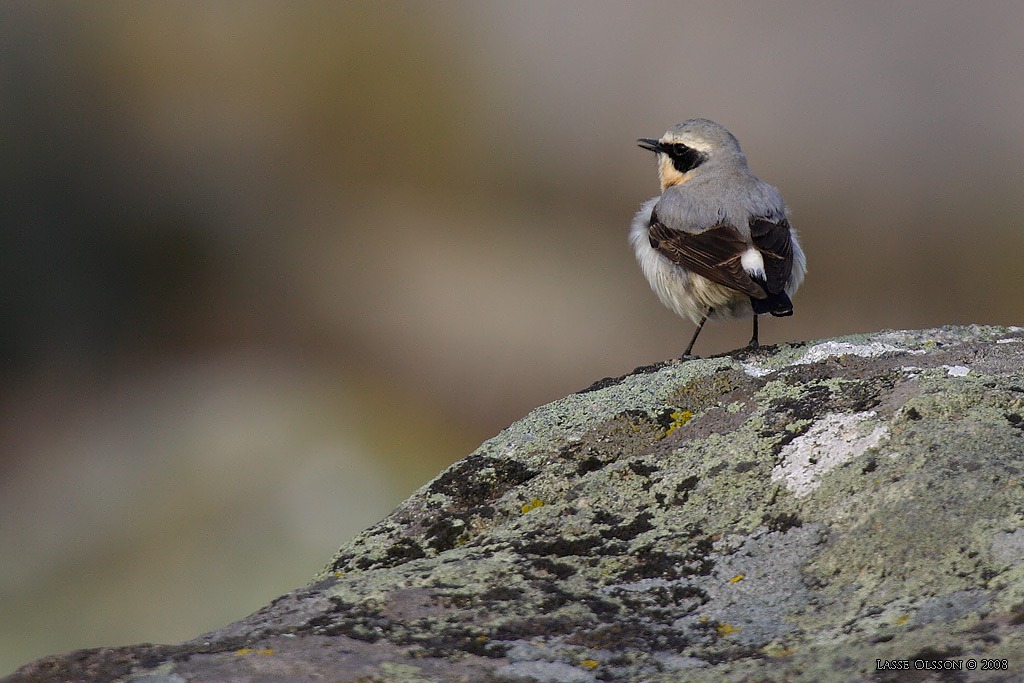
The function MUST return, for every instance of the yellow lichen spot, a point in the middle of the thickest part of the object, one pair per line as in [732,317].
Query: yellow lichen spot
[265,652]
[736,579]
[532,505]
[589,664]
[726,629]
[904,619]
[679,418]
[243,651]
[776,650]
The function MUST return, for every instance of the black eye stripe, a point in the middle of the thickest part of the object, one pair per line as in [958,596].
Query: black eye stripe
[685,158]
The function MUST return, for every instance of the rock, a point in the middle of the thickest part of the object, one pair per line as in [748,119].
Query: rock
[831,510]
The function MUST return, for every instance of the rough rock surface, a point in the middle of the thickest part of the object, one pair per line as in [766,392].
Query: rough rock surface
[789,513]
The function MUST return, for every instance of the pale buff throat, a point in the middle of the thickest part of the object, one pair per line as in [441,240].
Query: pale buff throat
[669,175]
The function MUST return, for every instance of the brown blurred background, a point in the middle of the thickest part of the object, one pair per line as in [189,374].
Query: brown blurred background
[266,268]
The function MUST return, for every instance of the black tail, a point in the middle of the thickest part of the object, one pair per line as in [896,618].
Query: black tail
[779,305]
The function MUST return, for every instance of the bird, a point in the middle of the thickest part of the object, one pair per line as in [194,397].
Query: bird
[717,242]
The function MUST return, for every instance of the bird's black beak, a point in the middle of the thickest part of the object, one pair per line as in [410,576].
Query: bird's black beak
[649,144]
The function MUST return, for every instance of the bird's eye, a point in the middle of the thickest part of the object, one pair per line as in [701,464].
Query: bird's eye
[679,149]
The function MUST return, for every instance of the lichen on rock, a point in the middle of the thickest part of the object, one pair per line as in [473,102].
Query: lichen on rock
[787,513]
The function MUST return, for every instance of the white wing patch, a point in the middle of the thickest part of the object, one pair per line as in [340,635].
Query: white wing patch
[753,263]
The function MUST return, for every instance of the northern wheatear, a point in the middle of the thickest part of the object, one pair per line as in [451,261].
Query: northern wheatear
[716,243]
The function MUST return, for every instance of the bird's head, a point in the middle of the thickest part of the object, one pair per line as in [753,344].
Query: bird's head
[687,146]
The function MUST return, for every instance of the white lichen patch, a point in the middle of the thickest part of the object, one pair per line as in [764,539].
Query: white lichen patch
[831,441]
[823,351]
[1010,340]
[957,370]
[833,349]
[753,370]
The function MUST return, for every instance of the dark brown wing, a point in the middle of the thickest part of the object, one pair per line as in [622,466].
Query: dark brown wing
[714,253]
[775,243]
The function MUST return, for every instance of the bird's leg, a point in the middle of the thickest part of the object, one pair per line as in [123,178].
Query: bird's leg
[753,340]
[703,320]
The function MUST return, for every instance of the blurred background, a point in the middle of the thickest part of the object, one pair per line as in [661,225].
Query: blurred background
[268,267]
